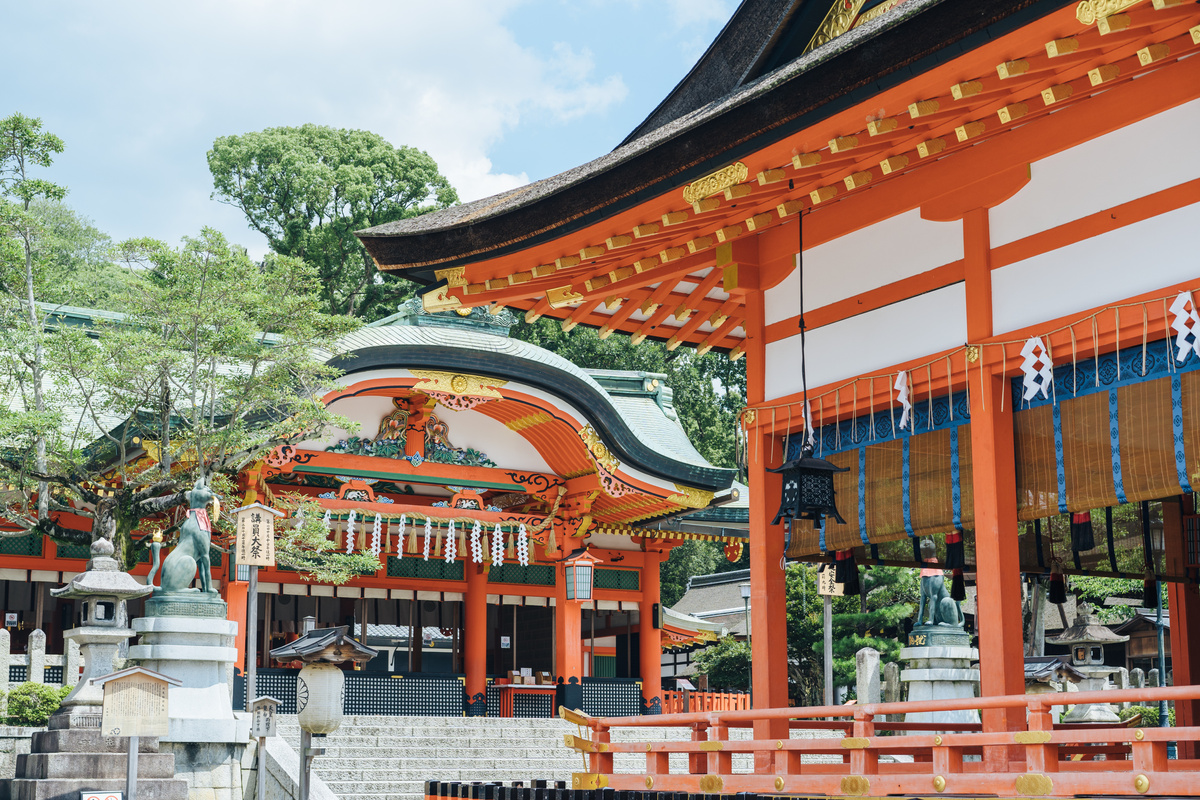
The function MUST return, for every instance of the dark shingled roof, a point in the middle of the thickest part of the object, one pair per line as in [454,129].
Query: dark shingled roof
[913,38]
[310,645]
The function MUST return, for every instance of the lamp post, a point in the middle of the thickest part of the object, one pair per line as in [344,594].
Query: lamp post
[320,686]
[745,589]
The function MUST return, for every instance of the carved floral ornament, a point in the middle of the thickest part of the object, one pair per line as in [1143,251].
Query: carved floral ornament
[457,390]
[599,452]
[1089,12]
[716,182]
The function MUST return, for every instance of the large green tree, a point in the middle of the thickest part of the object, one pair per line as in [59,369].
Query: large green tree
[307,189]
[78,264]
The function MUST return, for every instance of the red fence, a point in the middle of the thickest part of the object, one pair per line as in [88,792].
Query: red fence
[684,702]
[1034,757]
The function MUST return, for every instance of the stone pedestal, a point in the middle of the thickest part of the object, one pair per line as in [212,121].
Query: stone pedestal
[1096,681]
[197,652]
[938,667]
[66,760]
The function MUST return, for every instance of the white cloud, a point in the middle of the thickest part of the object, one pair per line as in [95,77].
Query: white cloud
[139,90]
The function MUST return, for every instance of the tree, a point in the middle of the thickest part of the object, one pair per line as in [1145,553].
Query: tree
[307,189]
[77,262]
[709,390]
[888,597]
[685,560]
[23,146]
[218,361]
[726,663]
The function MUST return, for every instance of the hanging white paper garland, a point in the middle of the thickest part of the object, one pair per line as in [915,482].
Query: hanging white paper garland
[1186,326]
[522,546]
[451,548]
[476,550]
[376,536]
[904,398]
[497,546]
[350,534]
[1038,369]
[428,536]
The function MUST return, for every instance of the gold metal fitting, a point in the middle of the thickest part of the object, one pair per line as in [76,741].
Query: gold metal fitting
[779,784]
[156,536]
[939,783]
[1139,734]
[779,744]
[937,740]
[972,353]
[649,747]
[1141,783]
[649,781]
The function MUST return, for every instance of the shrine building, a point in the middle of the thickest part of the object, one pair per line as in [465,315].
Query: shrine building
[978,218]
[480,462]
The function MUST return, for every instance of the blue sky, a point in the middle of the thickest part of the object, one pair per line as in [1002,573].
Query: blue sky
[499,92]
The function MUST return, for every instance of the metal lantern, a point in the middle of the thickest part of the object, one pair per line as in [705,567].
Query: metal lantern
[808,488]
[579,568]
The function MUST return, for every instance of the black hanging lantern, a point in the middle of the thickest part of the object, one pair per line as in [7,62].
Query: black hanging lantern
[807,481]
[808,488]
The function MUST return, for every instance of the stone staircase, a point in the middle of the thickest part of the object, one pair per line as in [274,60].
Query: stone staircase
[390,758]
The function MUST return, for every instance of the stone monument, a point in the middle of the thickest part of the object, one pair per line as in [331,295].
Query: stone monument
[1087,638]
[939,654]
[185,634]
[72,756]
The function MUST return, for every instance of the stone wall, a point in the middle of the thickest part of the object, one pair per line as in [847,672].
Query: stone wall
[14,742]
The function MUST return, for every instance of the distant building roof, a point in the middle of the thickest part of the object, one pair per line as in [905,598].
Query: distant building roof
[716,598]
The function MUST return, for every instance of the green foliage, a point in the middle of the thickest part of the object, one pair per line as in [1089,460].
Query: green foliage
[726,663]
[888,598]
[307,189]
[31,704]
[1097,590]
[1150,716]
[76,262]
[709,390]
[303,543]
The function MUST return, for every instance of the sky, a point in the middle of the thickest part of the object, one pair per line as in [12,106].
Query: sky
[499,92]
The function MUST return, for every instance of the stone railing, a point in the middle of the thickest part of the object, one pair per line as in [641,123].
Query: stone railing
[37,661]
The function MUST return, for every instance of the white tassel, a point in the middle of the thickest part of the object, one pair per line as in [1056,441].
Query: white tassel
[451,543]
[498,546]
[522,546]
[428,536]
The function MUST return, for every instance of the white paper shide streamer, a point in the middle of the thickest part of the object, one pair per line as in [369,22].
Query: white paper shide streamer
[1038,369]
[376,536]
[522,546]
[497,546]
[476,548]
[1186,324]
[350,533]
[451,548]
[904,398]
[428,536]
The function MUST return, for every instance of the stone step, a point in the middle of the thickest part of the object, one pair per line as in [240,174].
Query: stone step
[94,765]
[152,789]
[405,759]
[85,741]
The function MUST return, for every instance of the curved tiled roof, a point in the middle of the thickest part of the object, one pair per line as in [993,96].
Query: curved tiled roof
[854,66]
[635,428]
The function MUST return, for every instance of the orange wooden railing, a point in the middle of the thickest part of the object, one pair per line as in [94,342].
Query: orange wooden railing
[684,702]
[1033,758]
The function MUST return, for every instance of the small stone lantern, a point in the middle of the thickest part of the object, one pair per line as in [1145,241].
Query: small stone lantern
[100,590]
[1087,638]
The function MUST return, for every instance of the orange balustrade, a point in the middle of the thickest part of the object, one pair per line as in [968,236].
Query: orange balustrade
[683,702]
[1039,759]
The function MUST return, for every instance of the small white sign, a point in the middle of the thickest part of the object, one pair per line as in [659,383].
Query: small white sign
[10,619]
[527,672]
[505,643]
[684,684]
[101,796]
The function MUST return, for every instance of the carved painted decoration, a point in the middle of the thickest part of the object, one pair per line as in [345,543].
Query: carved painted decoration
[716,182]
[846,15]
[395,424]
[438,448]
[458,391]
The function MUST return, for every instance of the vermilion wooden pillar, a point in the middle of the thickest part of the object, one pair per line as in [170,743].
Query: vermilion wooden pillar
[568,644]
[234,594]
[998,568]
[768,594]
[475,640]
[1183,600]
[650,636]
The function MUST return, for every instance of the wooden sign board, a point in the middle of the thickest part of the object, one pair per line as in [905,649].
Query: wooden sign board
[262,716]
[826,585]
[135,704]
[256,535]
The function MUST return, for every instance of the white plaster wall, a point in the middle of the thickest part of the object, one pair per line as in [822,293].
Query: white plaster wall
[467,429]
[887,251]
[1132,260]
[870,342]
[1129,163]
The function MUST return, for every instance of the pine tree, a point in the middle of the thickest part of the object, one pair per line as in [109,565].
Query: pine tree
[887,599]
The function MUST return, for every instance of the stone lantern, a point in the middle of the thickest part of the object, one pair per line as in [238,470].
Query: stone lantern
[1087,638]
[100,590]
[321,686]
